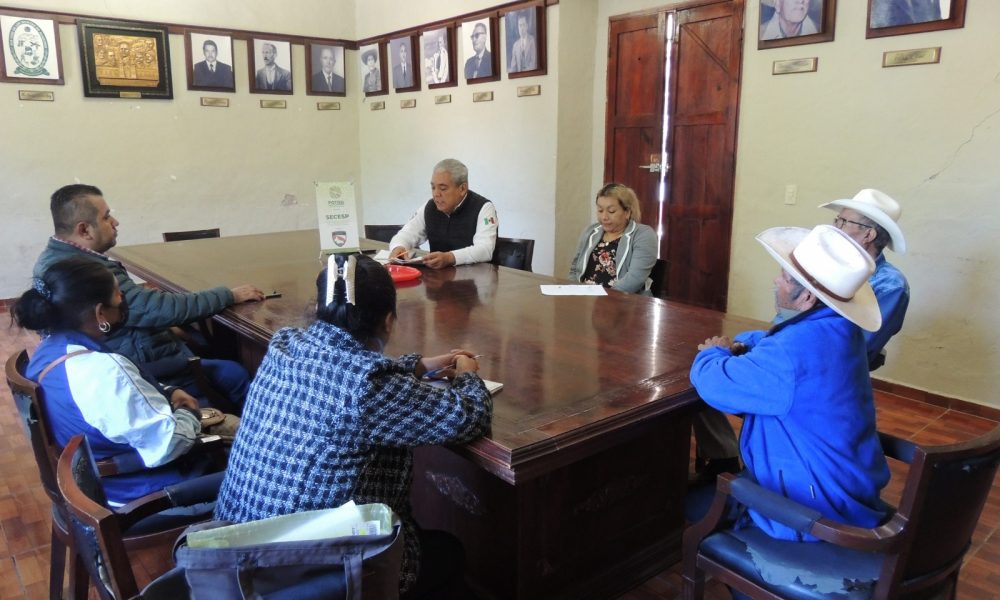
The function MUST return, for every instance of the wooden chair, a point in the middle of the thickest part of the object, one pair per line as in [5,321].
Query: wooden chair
[918,552]
[101,552]
[658,274]
[515,253]
[381,233]
[194,234]
[30,403]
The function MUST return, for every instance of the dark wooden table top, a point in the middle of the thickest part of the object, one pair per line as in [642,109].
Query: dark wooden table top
[578,371]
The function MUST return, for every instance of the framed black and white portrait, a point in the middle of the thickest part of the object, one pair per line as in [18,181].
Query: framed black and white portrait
[524,31]
[794,22]
[900,17]
[209,61]
[438,57]
[325,65]
[270,66]
[373,79]
[481,61]
[29,47]
[405,78]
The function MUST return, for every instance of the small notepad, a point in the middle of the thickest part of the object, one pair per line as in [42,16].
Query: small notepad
[573,290]
[492,386]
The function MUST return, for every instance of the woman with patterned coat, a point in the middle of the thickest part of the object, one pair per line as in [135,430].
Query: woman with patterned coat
[329,418]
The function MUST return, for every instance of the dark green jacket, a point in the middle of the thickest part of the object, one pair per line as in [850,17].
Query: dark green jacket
[146,338]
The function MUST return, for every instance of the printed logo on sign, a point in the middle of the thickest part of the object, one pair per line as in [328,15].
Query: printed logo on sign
[29,48]
[335,192]
[339,238]
[335,203]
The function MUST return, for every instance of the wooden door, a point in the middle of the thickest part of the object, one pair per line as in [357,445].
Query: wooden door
[636,54]
[698,134]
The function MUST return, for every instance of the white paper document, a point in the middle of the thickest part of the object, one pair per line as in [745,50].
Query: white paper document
[573,290]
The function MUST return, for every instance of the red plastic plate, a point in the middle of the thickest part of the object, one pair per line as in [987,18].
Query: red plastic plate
[399,273]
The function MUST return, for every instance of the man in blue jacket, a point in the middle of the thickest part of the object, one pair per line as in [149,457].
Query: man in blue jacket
[803,386]
[85,227]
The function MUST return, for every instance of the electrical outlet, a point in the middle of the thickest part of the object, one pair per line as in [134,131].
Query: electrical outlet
[791,193]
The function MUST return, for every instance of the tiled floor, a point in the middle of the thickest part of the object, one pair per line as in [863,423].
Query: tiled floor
[24,508]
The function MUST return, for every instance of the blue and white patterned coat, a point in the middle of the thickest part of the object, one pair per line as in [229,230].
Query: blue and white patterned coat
[327,421]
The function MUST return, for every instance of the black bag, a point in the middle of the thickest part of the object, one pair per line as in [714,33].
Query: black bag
[340,567]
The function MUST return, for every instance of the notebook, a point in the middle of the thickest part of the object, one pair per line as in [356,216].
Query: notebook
[494,387]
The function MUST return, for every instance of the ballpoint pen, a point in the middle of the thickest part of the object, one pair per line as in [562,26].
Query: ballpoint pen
[432,374]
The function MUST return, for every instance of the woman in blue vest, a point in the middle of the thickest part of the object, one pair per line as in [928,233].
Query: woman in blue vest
[618,251]
[88,389]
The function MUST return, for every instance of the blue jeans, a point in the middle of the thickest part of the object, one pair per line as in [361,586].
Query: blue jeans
[229,378]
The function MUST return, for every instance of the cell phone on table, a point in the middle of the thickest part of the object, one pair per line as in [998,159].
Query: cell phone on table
[272,294]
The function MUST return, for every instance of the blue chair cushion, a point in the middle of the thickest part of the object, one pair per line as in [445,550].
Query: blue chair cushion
[795,570]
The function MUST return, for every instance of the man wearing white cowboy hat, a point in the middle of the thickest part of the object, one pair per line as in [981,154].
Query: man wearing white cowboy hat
[869,218]
[803,387]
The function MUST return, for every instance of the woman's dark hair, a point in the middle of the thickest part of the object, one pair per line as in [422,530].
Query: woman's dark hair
[374,298]
[67,291]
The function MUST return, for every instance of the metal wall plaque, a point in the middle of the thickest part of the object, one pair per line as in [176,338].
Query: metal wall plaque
[795,65]
[216,102]
[442,99]
[917,56]
[328,106]
[408,103]
[35,96]
[482,97]
[274,104]
[529,90]
[380,105]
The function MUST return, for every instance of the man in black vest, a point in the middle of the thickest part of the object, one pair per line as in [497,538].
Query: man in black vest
[460,225]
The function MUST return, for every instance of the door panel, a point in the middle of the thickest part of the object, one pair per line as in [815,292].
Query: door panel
[635,109]
[702,141]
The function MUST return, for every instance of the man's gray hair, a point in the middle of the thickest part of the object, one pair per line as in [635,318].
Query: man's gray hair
[459,172]
[882,237]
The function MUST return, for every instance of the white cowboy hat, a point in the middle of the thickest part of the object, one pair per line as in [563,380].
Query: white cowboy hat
[830,265]
[879,207]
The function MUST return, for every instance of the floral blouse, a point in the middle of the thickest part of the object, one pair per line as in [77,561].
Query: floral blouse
[601,265]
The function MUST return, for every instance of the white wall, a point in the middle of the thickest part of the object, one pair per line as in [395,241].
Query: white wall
[167,165]
[508,144]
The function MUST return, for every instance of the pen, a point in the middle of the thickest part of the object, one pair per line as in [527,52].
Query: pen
[432,374]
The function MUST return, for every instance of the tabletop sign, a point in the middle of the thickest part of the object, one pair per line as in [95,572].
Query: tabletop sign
[338,216]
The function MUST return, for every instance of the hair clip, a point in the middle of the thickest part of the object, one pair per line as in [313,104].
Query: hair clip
[349,271]
[41,287]
[332,273]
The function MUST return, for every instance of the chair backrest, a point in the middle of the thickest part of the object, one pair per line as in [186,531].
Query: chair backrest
[658,274]
[96,530]
[943,497]
[30,406]
[515,253]
[194,234]
[382,233]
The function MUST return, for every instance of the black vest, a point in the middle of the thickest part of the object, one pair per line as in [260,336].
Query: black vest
[446,233]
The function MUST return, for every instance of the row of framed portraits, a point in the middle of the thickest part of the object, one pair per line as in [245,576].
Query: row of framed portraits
[794,22]
[132,59]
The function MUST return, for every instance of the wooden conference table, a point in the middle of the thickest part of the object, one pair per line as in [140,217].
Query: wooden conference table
[578,490]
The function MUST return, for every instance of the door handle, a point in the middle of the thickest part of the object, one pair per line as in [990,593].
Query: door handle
[652,167]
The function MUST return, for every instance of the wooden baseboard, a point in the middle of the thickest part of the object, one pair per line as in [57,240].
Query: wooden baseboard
[971,408]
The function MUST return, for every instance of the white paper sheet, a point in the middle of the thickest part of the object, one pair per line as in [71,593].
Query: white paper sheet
[573,290]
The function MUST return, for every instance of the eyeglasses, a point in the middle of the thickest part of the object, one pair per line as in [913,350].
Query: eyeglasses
[839,223]
[477,34]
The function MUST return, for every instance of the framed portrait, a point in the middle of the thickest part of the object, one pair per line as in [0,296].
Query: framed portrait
[899,17]
[373,79]
[209,61]
[481,62]
[405,78]
[122,59]
[325,65]
[795,22]
[270,66]
[30,51]
[438,57]
[524,30]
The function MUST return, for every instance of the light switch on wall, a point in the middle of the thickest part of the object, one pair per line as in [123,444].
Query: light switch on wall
[791,193]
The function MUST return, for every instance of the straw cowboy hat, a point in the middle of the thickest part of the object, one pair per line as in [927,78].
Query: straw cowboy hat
[879,207]
[830,265]
[373,53]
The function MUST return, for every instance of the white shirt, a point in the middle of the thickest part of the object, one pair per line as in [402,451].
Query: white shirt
[414,233]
